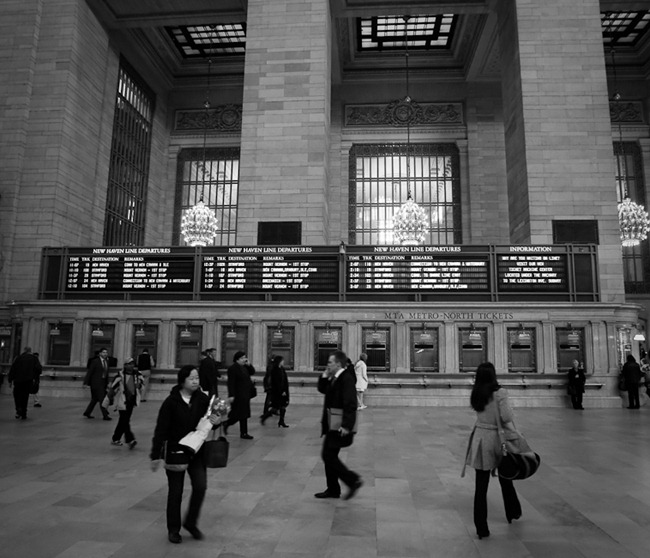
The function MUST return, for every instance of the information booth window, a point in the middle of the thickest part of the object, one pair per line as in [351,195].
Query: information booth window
[145,337]
[522,356]
[473,348]
[570,347]
[326,341]
[281,342]
[60,344]
[188,344]
[424,350]
[623,344]
[5,343]
[376,344]
[102,336]
[233,338]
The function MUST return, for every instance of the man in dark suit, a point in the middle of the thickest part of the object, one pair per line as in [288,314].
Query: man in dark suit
[25,370]
[240,387]
[209,373]
[338,385]
[97,379]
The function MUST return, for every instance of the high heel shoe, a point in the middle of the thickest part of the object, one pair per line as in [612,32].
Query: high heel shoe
[283,425]
[483,535]
[510,518]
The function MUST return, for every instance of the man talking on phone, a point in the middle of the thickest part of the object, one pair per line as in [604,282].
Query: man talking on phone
[337,425]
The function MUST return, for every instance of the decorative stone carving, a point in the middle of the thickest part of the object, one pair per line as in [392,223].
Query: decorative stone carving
[399,113]
[631,111]
[223,118]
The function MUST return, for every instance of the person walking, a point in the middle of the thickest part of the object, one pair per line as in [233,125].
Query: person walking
[576,385]
[278,391]
[361,372]
[37,401]
[240,388]
[632,375]
[337,384]
[484,447]
[25,370]
[178,416]
[209,372]
[144,365]
[266,384]
[127,387]
[97,379]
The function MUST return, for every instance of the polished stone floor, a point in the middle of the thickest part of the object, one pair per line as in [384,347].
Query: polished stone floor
[66,493]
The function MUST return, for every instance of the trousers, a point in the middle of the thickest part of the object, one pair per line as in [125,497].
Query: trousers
[510,500]
[335,469]
[175,480]
[123,427]
[21,397]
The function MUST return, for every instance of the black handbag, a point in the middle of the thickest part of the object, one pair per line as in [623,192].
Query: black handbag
[216,451]
[36,384]
[518,460]
[175,459]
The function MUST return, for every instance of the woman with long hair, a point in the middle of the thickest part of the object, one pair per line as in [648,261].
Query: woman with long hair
[178,416]
[484,448]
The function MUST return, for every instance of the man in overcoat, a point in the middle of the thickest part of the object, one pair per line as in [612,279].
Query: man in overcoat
[24,371]
[338,385]
[240,387]
[209,373]
[97,379]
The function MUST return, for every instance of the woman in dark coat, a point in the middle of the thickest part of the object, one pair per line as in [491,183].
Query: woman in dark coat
[484,447]
[178,416]
[279,391]
[632,374]
[576,385]
[240,387]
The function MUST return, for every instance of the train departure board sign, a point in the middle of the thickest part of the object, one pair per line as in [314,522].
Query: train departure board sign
[417,269]
[129,269]
[532,268]
[270,269]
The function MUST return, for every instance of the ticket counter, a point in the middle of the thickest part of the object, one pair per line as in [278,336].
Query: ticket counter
[376,344]
[188,344]
[521,350]
[473,348]
[570,346]
[424,350]
[233,338]
[281,342]
[327,340]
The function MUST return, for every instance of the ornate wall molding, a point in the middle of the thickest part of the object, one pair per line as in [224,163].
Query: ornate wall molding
[630,111]
[400,113]
[223,118]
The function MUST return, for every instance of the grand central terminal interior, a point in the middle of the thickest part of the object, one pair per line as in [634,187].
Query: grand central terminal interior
[434,184]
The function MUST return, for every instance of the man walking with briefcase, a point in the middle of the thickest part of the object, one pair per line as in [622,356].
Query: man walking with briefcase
[337,425]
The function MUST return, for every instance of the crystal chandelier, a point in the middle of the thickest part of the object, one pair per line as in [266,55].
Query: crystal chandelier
[199,225]
[633,219]
[409,221]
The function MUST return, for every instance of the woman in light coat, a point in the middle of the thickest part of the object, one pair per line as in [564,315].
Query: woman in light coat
[127,388]
[361,371]
[484,447]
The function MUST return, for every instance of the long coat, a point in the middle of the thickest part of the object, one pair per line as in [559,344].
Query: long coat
[208,374]
[340,393]
[577,380]
[279,387]
[632,374]
[484,449]
[239,387]
[25,368]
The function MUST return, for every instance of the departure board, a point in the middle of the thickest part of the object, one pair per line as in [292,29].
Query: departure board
[270,269]
[536,271]
[417,268]
[130,269]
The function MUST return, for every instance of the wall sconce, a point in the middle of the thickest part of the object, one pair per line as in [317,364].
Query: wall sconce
[277,334]
[474,335]
[342,247]
[523,334]
[186,332]
[54,330]
[98,331]
[232,334]
[640,333]
[140,331]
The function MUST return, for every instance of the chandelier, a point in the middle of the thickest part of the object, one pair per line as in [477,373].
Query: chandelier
[633,219]
[199,225]
[409,221]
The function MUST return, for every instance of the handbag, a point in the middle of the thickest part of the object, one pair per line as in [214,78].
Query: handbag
[216,450]
[175,459]
[518,460]
[335,420]
[34,387]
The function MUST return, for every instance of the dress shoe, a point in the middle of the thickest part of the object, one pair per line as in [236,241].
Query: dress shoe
[283,425]
[483,534]
[88,416]
[175,538]
[132,444]
[263,419]
[246,437]
[510,518]
[326,494]
[107,418]
[37,405]
[353,489]
[194,531]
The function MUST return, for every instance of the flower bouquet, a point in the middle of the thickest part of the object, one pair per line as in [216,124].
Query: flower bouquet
[217,413]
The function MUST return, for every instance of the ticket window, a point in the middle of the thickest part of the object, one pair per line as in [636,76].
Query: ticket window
[59,344]
[5,344]
[473,348]
[424,350]
[376,344]
[623,344]
[145,337]
[233,339]
[521,350]
[188,344]
[327,341]
[281,342]
[102,336]
[570,347]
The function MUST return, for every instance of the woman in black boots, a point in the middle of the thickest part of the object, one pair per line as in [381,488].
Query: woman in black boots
[279,392]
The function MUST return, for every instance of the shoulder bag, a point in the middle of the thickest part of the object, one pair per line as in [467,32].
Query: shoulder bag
[519,461]
[216,450]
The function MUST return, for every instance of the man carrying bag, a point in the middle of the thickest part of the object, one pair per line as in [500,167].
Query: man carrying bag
[337,425]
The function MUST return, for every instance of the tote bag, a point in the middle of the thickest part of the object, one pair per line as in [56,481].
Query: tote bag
[519,461]
[216,451]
